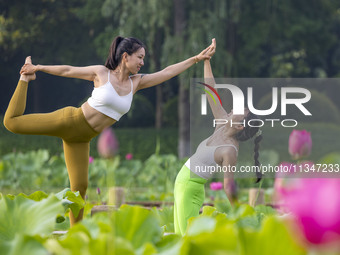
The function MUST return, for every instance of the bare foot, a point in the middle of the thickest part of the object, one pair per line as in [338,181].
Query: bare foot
[28,77]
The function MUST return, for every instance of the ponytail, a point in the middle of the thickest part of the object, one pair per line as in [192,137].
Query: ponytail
[257,140]
[112,61]
[249,132]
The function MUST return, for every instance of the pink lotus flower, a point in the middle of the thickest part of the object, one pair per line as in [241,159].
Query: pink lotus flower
[128,156]
[216,185]
[91,160]
[316,206]
[107,143]
[300,144]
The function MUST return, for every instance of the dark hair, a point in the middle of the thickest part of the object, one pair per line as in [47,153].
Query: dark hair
[120,45]
[248,132]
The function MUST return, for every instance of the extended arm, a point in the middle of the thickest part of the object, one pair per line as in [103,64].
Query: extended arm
[86,73]
[171,71]
[150,80]
[216,107]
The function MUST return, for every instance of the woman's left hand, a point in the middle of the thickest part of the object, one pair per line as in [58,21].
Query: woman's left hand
[208,52]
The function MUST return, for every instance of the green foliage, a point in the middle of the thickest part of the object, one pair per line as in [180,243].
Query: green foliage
[165,217]
[246,235]
[161,170]
[36,196]
[32,169]
[25,222]
[32,245]
[103,172]
[127,173]
[51,33]
[290,64]
[129,230]
[135,230]
[90,237]
[28,220]
[37,169]
[131,223]
[331,158]
[281,240]
[71,200]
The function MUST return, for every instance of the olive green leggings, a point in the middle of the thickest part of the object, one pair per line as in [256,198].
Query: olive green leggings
[68,123]
[189,197]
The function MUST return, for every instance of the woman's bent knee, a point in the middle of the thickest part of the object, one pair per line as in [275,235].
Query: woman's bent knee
[11,125]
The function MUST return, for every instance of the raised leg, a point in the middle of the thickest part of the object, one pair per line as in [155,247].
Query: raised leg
[33,124]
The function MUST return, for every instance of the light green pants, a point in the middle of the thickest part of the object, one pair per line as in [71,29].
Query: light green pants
[68,123]
[189,197]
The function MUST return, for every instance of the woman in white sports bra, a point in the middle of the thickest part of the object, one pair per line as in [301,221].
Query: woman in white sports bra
[221,148]
[111,98]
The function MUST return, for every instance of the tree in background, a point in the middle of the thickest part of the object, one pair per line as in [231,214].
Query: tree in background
[51,33]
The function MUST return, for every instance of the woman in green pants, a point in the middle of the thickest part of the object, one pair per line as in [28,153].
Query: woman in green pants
[112,95]
[221,148]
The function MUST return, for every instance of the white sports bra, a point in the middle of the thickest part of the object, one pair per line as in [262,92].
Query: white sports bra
[204,157]
[106,100]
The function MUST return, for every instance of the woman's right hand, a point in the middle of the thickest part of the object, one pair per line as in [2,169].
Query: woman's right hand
[212,48]
[207,53]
